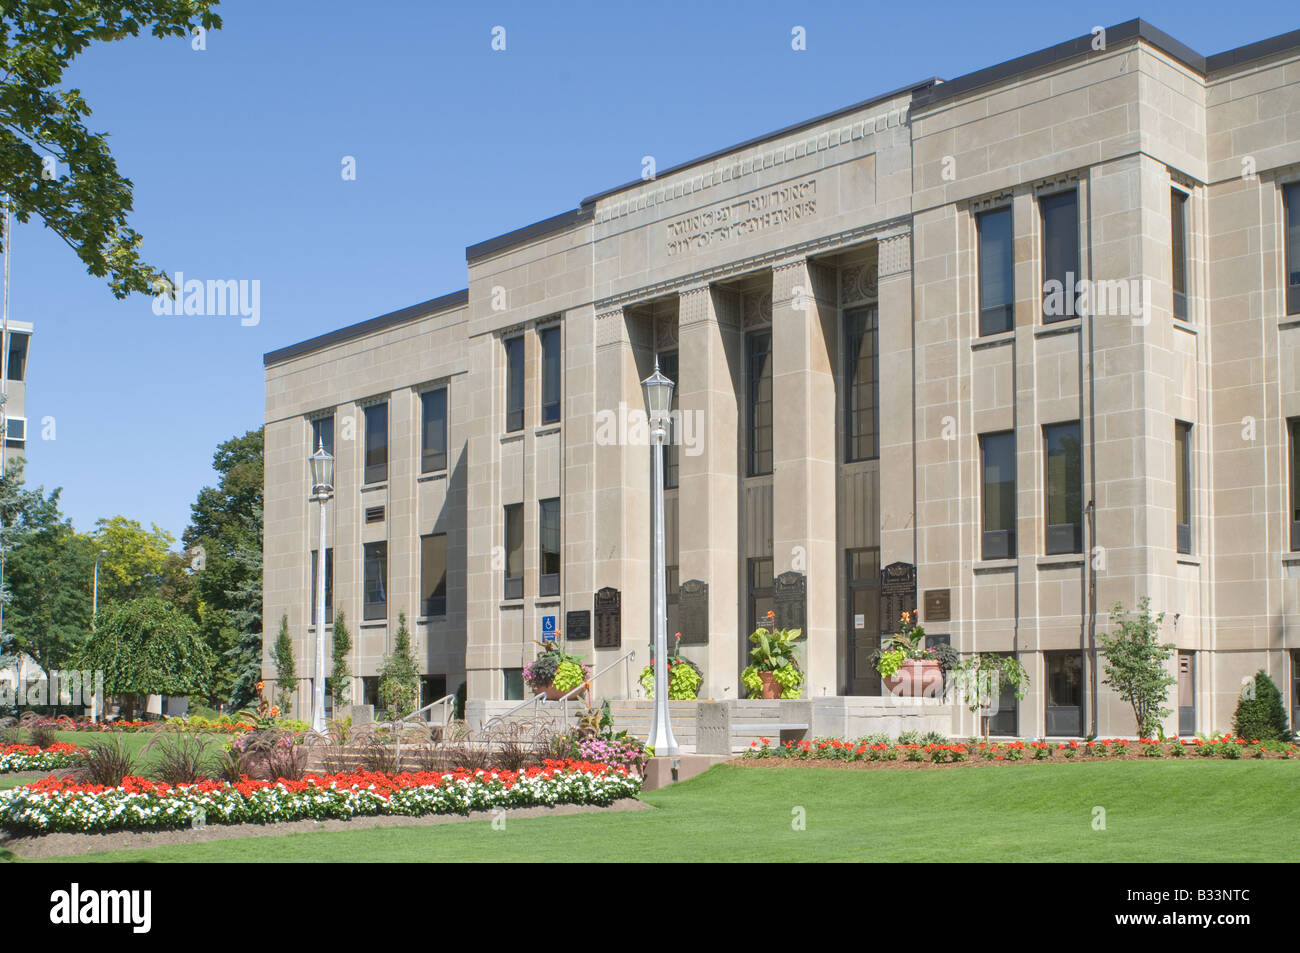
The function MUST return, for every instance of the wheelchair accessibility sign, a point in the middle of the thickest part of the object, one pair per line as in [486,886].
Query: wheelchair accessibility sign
[548,628]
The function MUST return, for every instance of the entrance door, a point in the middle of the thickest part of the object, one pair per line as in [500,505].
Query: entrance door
[863,624]
[1187,693]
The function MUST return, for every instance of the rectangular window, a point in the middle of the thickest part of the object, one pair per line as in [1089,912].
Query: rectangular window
[672,600]
[376,443]
[1005,718]
[668,367]
[862,385]
[761,598]
[513,686]
[1178,245]
[1295,690]
[1063,448]
[548,533]
[998,464]
[551,375]
[433,430]
[1183,484]
[514,588]
[1294,426]
[329,585]
[1064,693]
[15,431]
[997,271]
[514,385]
[758,348]
[375,566]
[433,574]
[322,434]
[1060,214]
[1291,204]
[18,342]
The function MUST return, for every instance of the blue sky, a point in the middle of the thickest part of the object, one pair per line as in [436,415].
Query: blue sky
[236,153]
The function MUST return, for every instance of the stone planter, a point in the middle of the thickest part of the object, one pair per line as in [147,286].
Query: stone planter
[917,678]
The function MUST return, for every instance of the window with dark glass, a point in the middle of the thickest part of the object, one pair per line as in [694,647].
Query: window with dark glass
[758,351]
[322,434]
[433,430]
[18,355]
[1291,205]
[1064,451]
[1293,426]
[1178,245]
[761,592]
[514,385]
[1183,484]
[548,534]
[668,367]
[513,686]
[375,570]
[1064,708]
[998,465]
[329,585]
[433,574]
[862,385]
[376,443]
[1060,216]
[997,271]
[514,515]
[672,600]
[551,375]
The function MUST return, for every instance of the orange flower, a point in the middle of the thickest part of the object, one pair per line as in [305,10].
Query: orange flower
[260,686]
[275,711]
[771,614]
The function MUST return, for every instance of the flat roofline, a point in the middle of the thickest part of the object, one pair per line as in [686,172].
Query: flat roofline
[1137,29]
[924,93]
[362,328]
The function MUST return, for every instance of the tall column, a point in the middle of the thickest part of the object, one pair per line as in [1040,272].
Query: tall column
[710,361]
[803,442]
[622,487]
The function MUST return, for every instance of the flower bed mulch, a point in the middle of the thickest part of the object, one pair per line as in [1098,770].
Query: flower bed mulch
[840,753]
[58,804]
[15,758]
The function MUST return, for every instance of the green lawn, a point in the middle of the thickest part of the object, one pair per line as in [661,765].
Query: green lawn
[134,742]
[1155,811]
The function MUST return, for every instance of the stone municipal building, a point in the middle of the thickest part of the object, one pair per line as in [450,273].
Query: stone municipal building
[1011,347]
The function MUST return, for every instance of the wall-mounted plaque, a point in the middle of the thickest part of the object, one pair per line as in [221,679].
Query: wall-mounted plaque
[693,612]
[790,599]
[609,618]
[897,595]
[577,625]
[938,605]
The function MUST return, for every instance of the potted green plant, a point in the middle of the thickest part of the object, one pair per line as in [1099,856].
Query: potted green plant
[684,676]
[555,672]
[774,670]
[906,666]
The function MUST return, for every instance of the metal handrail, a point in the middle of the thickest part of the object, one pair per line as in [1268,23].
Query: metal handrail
[563,699]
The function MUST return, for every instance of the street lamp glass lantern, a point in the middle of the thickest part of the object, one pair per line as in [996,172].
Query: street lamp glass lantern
[658,394]
[321,464]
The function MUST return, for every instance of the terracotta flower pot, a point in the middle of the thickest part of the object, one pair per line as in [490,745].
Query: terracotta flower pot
[771,687]
[916,678]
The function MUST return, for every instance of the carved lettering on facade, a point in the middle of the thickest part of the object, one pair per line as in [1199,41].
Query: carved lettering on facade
[732,221]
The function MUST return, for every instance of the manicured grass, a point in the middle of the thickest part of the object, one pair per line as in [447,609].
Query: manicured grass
[1154,811]
[134,742]
[8,781]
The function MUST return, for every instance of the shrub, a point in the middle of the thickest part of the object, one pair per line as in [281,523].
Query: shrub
[934,738]
[42,734]
[106,761]
[182,756]
[909,737]
[1177,749]
[1260,714]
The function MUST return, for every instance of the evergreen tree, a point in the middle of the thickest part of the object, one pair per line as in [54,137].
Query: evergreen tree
[399,679]
[339,684]
[285,676]
[1260,715]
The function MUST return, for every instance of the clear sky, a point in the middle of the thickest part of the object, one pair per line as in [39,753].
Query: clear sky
[236,153]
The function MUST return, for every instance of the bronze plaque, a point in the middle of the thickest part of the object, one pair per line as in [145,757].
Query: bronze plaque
[790,600]
[609,618]
[938,605]
[897,595]
[577,625]
[693,612]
